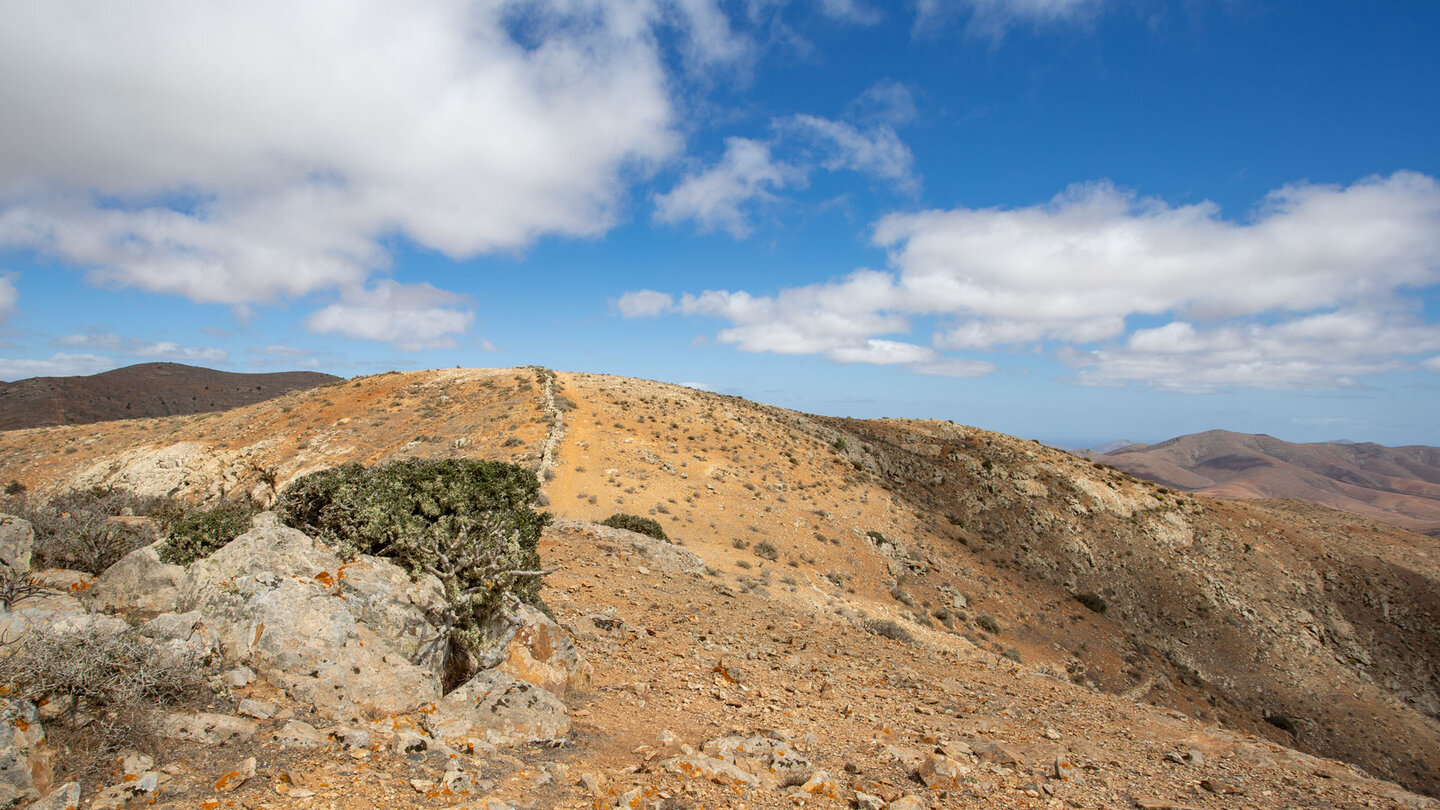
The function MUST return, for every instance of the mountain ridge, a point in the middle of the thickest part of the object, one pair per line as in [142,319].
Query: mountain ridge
[1400,485]
[141,391]
[1281,620]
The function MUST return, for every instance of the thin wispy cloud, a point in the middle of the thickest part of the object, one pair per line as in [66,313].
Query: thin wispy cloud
[993,18]
[754,174]
[135,348]
[723,197]
[9,297]
[60,364]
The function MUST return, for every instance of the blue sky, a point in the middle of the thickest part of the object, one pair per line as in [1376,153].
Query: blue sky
[1071,220]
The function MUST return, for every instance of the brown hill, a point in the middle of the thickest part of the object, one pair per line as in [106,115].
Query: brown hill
[141,391]
[1252,628]
[1399,485]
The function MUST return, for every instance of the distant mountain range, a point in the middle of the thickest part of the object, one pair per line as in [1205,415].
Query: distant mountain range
[1399,485]
[141,391]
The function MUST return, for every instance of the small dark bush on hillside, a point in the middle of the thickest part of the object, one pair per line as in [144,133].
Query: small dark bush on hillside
[889,629]
[199,533]
[988,624]
[767,549]
[877,537]
[14,488]
[635,523]
[470,523]
[1092,600]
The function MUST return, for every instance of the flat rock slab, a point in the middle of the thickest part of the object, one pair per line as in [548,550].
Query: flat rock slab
[207,728]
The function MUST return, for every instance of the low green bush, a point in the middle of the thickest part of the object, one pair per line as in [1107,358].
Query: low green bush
[470,523]
[767,549]
[635,523]
[198,533]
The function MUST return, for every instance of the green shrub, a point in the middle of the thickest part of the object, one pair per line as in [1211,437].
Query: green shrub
[637,524]
[988,624]
[200,532]
[1093,601]
[470,523]
[14,488]
[767,549]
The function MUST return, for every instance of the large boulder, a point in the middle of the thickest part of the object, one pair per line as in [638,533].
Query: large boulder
[364,681]
[540,652]
[276,600]
[410,614]
[17,539]
[182,637]
[500,710]
[139,581]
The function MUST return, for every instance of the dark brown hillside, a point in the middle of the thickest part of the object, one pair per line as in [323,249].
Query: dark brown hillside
[1399,485]
[140,392]
[1325,623]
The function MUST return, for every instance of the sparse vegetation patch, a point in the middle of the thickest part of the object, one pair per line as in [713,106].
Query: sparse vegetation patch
[200,532]
[636,523]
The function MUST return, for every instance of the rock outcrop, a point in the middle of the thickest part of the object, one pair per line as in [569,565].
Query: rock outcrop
[17,539]
[139,582]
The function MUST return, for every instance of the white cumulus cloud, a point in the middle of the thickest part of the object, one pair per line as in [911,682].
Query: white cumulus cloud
[1333,349]
[644,303]
[244,153]
[1314,289]
[414,317]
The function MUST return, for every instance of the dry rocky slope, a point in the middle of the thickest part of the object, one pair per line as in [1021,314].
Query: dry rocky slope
[763,660]
[1399,485]
[145,390]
